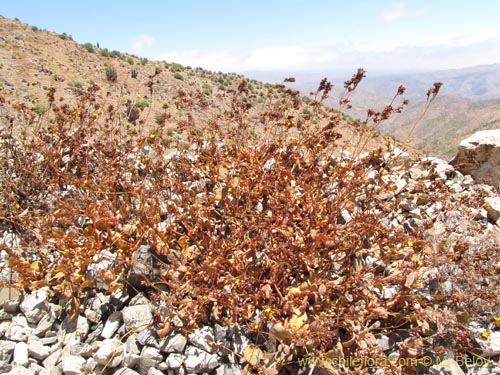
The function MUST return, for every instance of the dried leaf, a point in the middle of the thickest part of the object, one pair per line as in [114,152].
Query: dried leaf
[410,279]
[280,332]
[253,354]
[297,321]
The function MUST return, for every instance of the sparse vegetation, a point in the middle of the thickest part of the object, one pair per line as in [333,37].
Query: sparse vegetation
[179,76]
[88,47]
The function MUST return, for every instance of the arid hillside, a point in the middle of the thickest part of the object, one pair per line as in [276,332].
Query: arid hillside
[149,94]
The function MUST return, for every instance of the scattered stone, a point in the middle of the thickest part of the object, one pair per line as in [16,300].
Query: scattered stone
[150,358]
[142,267]
[174,361]
[447,367]
[36,305]
[204,339]
[137,317]
[110,353]
[112,324]
[479,156]
[21,356]
[38,350]
[72,364]
[198,361]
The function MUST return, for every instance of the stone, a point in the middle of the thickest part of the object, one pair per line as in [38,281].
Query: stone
[492,206]
[137,317]
[20,370]
[100,263]
[148,337]
[142,266]
[198,361]
[173,344]
[112,324]
[203,338]
[150,358]
[110,353]
[75,329]
[447,367]
[126,371]
[72,364]
[36,305]
[228,369]
[11,306]
[479,156]
[131,351]
[18,330]
[21,356]
[174,360]
[37,350]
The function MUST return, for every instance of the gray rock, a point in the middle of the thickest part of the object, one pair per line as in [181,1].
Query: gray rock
[46,323]
[100,263]
[72,364]
[148,337]
[150,358]
[21,356]
[52,359]
[198,361]
[36,305]
[154,371]
[110,353]
[173,344]
[6,350]
[11,306]
[112,324]
[137,317]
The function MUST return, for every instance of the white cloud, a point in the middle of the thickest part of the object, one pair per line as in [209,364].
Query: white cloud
[397,12]
[142,44]
[274,58]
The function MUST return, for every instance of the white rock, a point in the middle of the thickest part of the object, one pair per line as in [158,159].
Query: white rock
[203,338]
[479,156]
[150,358]
[174,344]
[36,305]
[20,370]
[110,353]
[198,361]
[492,206]
[137,317]
[21,354]
[112,324]
[37,350]
[131,352]
[75,330]
[72,364]
[174,361]
[18,330]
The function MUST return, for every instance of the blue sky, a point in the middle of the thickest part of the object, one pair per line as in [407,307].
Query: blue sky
[281,35]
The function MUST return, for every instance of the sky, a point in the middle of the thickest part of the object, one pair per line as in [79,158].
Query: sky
[281,35]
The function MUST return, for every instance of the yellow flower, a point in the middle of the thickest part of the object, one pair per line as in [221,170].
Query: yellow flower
[420,263]
[297,201]
[409,243]
[152,136]
[496,320]
[237,281]
[485,334]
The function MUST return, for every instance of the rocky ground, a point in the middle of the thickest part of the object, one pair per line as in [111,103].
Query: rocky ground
[115,332]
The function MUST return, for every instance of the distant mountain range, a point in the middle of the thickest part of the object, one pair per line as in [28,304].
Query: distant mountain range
[469,100]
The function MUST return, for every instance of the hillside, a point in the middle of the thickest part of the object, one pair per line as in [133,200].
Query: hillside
[448,120]
[34,60]
[467,102]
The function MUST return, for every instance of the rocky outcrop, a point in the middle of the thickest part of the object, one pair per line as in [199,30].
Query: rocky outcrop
[479,156]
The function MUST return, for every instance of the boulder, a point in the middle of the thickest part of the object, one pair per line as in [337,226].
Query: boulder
[479,156]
